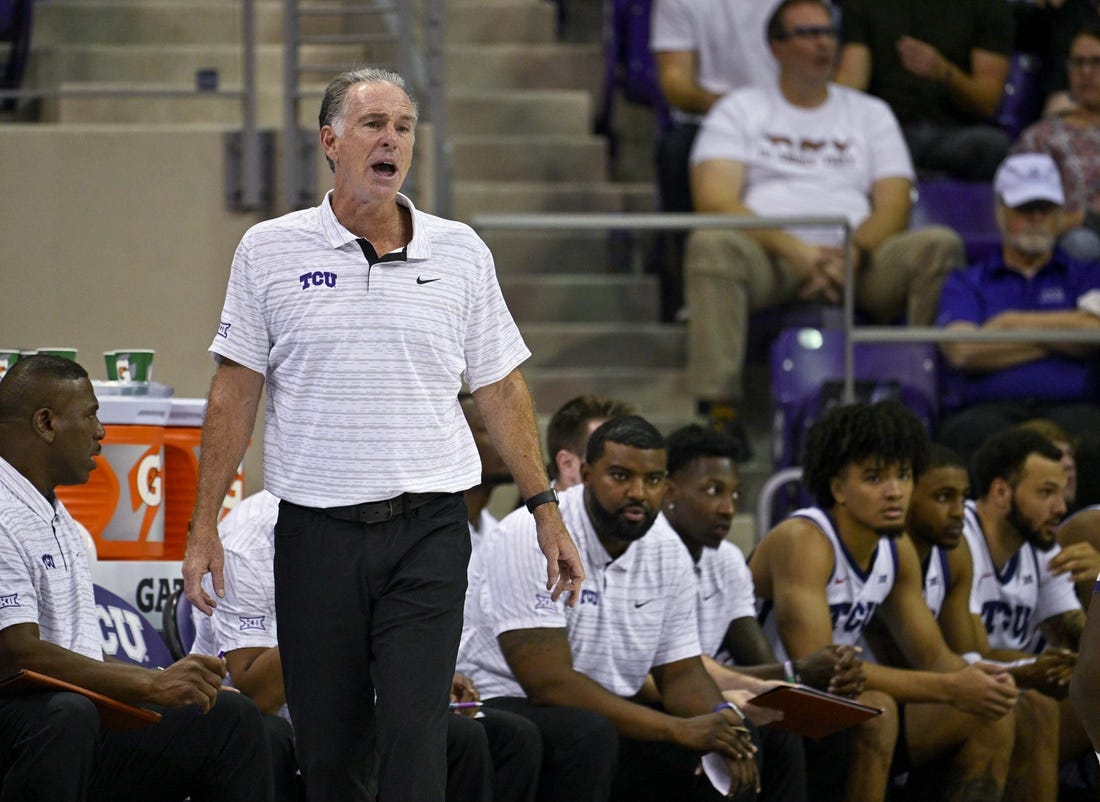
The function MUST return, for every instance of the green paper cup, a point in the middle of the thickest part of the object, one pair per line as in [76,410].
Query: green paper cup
[67,353]
[8,357]
[133,364]
[110,359]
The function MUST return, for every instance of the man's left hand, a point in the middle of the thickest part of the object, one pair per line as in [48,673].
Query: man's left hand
[564,571]
[1080,560]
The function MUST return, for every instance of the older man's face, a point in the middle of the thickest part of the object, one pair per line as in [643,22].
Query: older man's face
[1030,229]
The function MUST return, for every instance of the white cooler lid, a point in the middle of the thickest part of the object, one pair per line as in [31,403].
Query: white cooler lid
[134,410]
[187,412]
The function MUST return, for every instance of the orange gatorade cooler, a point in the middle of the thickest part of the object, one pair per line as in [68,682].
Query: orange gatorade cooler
[182,447]
[122,504]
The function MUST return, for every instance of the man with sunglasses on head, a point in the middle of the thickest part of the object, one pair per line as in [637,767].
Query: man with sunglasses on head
[1030,284]
[801,146]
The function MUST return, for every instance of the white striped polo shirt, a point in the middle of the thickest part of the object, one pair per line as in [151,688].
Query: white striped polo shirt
[635,612]
[724,593]
[1015,600]
[44,575]
[364,362]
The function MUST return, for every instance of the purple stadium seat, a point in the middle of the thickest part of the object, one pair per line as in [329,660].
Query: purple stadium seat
[1022,102]
[965,206]
[808,379]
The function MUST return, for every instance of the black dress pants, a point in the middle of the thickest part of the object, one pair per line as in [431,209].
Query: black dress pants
[52,749]
[369,622]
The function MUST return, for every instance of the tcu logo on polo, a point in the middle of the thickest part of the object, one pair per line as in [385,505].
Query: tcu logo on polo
[317,278]
[590,597]
[47,560]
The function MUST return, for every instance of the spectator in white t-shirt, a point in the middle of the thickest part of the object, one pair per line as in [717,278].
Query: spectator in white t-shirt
[801,146]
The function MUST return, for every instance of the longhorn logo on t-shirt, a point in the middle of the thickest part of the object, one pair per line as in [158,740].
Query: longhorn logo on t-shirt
[807,152]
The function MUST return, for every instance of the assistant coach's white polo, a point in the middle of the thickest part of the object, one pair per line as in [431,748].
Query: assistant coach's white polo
[364,361]
[635,612]
[44,575]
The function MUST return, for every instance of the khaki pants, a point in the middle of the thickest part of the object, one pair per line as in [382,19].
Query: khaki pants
[728,276]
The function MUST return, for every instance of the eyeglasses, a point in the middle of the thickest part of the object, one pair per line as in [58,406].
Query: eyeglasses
[1083,63]
[809,32]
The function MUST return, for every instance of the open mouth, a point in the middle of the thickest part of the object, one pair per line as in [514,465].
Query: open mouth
[385,168]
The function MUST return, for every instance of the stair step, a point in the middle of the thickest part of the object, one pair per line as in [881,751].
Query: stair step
[549,112]
[533,111]
[482,197]
[624,345]
[540,252]
[529,158]
[653,391]
[500,21]
[552,66]
[209,21]
[166,63]
[576,298]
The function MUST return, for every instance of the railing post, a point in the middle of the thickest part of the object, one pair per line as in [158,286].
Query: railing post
[251,180]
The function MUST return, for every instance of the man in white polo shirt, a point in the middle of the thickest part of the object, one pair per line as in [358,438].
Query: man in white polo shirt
[363,317]
[575,671]
[208,745]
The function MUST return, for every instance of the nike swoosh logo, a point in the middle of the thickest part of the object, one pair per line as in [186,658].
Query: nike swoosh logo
[425,280]
[711,596]
[642,604]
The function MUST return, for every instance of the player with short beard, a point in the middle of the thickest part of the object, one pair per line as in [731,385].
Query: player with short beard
[1019,601]
[822,574]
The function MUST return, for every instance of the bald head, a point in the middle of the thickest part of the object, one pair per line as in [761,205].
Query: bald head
[49,430]
[34,382]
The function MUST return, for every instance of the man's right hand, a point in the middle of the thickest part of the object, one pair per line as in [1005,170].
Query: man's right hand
[723,732]
[194,680]
[204,554]
[834,668]
[985,690]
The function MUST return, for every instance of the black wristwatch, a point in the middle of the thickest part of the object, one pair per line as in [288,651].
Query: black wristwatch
[546,497]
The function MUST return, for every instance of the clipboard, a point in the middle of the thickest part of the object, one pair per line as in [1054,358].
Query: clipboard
[813,713]
[113,714]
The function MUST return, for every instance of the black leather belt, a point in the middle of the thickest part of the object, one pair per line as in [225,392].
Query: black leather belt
[374,512]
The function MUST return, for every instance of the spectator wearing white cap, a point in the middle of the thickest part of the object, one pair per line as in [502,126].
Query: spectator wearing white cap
[1030,284]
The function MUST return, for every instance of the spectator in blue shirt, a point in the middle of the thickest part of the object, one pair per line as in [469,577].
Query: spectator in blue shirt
[1029,285]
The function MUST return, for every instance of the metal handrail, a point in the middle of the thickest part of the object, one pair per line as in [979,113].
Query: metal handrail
[909,334]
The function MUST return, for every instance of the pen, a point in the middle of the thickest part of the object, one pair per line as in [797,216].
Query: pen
[464,705]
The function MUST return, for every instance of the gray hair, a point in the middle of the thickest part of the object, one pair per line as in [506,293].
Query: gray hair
[332,105]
